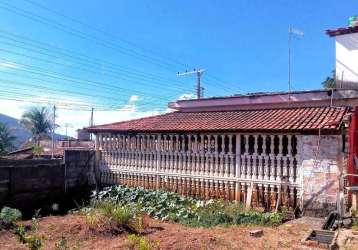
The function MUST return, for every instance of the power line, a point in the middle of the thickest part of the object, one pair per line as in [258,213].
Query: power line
[77,56]
[70,30]
[125,77]
[56,75]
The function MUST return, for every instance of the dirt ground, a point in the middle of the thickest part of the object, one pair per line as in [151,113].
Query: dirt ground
[167,235]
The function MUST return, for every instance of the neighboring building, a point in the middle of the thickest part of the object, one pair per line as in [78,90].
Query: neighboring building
[83,135]
[259,145]
[346,55]
[26,151]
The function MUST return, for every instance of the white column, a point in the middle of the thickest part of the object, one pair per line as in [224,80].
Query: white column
[279,157]
[272,157]
[216,162]
[238,155]
[248,158]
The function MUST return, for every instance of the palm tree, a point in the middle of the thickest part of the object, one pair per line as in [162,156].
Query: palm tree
[330,82]
[6,139]
[38,121]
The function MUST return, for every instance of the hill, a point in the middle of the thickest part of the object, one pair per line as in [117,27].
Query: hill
[19,131]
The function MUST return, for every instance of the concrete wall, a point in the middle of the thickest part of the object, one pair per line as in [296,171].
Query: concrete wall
[321,173]
[25,183]
[347,59]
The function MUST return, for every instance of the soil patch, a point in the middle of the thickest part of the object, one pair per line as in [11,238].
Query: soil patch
[78,234]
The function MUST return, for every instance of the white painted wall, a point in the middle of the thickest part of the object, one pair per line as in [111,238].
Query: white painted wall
[347,59]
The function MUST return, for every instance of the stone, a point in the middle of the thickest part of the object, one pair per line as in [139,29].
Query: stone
[256,233]
[347,223]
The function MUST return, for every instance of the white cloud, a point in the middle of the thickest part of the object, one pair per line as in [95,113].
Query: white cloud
[187,96]
[134,98]
[9,65]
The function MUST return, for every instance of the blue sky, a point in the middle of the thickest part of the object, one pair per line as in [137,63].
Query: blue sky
[124,55]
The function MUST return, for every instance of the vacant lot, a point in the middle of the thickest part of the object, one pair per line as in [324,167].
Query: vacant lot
[72,232]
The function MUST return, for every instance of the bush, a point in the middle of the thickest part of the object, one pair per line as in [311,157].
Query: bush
[10,215]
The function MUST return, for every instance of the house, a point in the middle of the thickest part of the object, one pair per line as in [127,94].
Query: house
[269,150]
[229,147]
[45,151]
[346,54]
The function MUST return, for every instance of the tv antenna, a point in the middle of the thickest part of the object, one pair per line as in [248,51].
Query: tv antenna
[198,73]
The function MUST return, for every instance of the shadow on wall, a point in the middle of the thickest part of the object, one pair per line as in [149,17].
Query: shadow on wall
[33,184]
[316,202]
[349,42]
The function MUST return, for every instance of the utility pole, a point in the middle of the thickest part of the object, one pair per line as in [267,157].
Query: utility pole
[91,122]
[291,31]
[53,131]
[199,73]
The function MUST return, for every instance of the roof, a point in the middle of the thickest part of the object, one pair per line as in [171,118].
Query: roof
[270,100]
[284,119]
[342,31]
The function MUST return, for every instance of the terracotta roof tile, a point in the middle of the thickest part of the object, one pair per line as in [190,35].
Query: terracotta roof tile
[289,119]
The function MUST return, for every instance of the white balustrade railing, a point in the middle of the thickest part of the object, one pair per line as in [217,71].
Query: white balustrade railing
[262,158]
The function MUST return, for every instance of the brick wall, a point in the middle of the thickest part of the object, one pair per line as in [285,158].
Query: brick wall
[25,183]
[321,173]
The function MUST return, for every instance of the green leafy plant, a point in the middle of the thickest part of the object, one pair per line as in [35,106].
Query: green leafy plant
[165,205]
[10,215]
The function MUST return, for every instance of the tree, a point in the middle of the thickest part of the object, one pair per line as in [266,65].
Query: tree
[38,121]
[6,139]
[330,82]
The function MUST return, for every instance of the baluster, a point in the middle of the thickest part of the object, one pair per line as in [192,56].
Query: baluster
[248,157]
[214,163]
[254,157]
[279,157]
[222,164]
[289,170]
[231,157]
[176,154]
[238,156]
[189,158]
[262,162]
[171,156]
[272,157]
[183,155]
[195,156]
[202,156]
[158,149]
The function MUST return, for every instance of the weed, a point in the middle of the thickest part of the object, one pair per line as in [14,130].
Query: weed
[355,224]
[142,243]
[35,221]
[34,242]
[61,243]
[10,215]
[122,215]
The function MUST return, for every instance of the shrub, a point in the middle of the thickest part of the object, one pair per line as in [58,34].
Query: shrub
[10,215]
